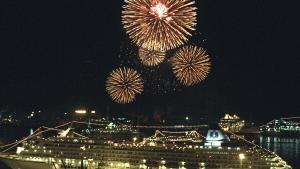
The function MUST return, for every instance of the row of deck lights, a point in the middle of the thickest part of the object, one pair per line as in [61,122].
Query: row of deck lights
[163,163]
[143,165]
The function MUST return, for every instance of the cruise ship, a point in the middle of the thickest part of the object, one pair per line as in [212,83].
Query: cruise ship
[176,149]
[282,127]
[231,123]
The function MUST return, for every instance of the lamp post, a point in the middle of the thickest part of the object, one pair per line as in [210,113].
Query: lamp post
[201,165]
[241,157]
[162,164]
[134,139]
[182,165]
[143,164]
[82,149]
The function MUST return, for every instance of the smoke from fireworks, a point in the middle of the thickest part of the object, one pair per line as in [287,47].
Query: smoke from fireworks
[151,58]
[191,65]
[159,25]
[123,84]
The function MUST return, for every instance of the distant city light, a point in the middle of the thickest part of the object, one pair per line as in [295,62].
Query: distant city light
[187,118]
[80,111]
[93,111]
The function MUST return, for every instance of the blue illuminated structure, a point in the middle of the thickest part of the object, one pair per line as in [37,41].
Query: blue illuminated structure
[215,138]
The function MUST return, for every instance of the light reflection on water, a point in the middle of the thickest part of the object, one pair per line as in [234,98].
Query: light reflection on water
[287,148]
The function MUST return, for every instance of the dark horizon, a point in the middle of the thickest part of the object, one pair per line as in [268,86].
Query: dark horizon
[56,56]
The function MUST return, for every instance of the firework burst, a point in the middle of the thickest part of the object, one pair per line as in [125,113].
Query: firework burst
[191,65]
[159,25]
[151,58]
[123,84]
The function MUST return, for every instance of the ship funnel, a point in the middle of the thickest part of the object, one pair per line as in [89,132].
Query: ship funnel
[215,138]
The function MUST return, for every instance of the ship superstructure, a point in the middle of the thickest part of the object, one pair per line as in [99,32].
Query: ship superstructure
[231,123]
[70,150]
[283,126]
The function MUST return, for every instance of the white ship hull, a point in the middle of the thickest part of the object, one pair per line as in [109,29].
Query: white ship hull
[20,164]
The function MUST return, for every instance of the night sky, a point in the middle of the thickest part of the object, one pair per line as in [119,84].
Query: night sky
[57,54]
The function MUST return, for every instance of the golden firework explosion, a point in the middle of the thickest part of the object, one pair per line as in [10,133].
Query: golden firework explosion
[159,25]
[191,65]
[123,84]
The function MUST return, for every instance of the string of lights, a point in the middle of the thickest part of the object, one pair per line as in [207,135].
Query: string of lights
[35,133]
[146,126]
[180,132]
[3,146]
[250,142]
[30,136]
[171,127]
[288,118]
[21,141]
